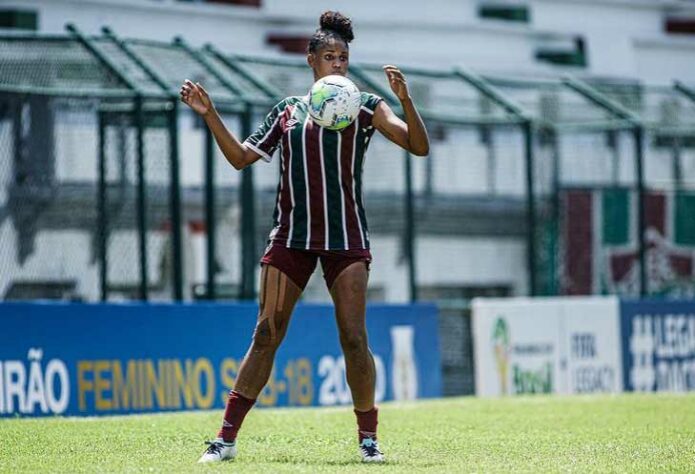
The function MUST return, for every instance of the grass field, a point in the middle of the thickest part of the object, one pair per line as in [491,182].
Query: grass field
[626,433]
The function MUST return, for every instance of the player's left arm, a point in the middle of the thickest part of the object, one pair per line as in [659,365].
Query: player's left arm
[411,134]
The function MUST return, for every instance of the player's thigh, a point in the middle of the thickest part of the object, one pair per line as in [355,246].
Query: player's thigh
[349,293]
[277,298]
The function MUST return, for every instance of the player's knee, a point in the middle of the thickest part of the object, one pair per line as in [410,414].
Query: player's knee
[353,341]
[264,338]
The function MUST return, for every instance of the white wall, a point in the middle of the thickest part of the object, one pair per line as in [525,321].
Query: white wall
[482,47]
[61,256]
[660,60]
[472,261]
[407,12]
[442,260]
[438,33]
[606,26]
[229,28]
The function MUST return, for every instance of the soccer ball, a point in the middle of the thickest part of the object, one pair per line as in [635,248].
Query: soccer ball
[334,102]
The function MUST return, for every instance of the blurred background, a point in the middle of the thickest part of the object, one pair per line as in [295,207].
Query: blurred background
[562,158]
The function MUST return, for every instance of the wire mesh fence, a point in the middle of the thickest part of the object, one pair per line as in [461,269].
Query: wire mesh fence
[120,218]
[34,62]
[48,244]
[605,208]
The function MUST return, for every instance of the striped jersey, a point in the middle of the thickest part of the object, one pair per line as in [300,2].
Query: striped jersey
[319,200]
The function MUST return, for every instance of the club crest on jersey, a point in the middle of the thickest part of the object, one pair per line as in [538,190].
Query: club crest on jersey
[291,124]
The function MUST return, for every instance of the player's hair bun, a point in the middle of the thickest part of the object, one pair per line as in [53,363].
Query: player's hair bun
[338,23]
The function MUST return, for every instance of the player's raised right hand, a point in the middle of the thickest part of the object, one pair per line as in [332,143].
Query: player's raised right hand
[194,96]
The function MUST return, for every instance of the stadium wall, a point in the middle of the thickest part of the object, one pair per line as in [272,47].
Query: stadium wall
[79,360]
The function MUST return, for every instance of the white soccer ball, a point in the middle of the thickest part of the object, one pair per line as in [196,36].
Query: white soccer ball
[334,102]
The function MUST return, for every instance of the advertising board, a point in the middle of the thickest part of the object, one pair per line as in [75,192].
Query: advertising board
[546,345]
[658,340]
[75,359]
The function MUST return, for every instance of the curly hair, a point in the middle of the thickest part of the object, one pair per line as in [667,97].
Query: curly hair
[332,25]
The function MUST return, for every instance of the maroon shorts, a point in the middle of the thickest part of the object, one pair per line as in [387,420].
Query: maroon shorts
[299,264]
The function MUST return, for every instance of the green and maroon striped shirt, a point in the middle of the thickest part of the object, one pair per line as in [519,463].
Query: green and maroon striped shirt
[319,201]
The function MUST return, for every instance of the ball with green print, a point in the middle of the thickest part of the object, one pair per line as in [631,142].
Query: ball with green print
[334,102]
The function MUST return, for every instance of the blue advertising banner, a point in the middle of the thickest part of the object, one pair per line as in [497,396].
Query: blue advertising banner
[658,341]
[76,359]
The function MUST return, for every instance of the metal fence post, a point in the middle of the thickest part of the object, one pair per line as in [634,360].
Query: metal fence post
[554,287]
[638,133]
[141,197]
[248,220]
[410,228]
[211,225]
[102,221]
[527,129]
[175,202]
[677,164]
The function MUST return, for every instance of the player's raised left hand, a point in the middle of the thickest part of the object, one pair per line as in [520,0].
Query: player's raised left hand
[397,81]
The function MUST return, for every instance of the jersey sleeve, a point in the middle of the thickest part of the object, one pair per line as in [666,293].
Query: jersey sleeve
[370,101]
[266,138]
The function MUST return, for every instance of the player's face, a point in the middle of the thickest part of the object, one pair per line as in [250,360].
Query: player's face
[333,58]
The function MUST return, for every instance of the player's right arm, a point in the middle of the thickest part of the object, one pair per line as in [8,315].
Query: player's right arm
[236,153]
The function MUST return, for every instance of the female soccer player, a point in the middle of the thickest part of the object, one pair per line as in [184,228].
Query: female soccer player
[319,216]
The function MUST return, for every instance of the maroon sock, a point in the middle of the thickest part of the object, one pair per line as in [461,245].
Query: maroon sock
[237,408]
[366,423]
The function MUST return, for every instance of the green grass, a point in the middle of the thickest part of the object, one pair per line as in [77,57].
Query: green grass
[626,433]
